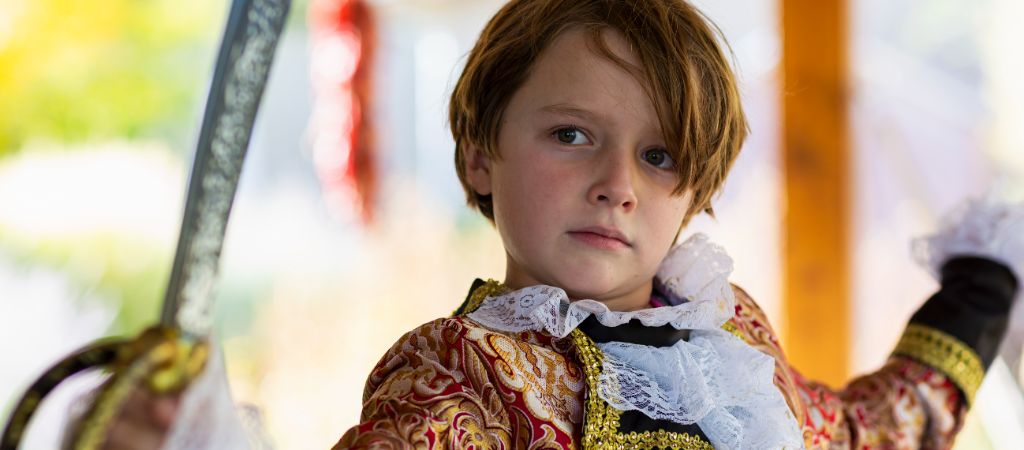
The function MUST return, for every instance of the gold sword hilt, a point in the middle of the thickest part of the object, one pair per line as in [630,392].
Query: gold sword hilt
[167,357]
[159,360]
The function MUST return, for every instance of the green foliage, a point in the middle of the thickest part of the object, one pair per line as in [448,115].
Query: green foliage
[129,270]
[72,71]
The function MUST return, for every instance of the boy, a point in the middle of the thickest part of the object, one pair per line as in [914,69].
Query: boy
[589,132]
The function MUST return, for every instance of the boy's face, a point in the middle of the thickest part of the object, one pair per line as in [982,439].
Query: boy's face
[582,193]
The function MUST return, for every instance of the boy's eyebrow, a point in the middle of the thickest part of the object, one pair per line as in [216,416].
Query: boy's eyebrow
[569,110]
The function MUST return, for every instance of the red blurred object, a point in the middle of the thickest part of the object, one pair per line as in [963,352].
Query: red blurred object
[342,38]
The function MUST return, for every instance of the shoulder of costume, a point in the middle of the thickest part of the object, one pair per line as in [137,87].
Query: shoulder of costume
[750,322]
[438,336]
[433,327]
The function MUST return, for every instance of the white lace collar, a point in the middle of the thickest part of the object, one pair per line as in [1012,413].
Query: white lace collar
[713,379]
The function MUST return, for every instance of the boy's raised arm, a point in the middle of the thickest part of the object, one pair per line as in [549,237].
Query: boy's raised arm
[919,397]
[904,404]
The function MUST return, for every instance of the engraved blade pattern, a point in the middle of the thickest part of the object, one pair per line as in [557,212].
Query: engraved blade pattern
[240,75]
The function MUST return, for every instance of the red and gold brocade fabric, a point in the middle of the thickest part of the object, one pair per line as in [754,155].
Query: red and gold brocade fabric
[904,405]
[452,383]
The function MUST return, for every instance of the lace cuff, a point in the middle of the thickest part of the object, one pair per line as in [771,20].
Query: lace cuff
[991,229]
[209,418]
[985,227]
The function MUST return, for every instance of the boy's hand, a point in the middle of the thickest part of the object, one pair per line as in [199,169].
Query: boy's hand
[144,421]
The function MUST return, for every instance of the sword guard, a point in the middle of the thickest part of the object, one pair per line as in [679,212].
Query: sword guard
[175,361]
[159,359]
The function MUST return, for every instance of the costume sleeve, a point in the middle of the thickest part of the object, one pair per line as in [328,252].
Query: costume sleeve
[919,397]
[993,230]
[959,329]
[904,405]
[425,394]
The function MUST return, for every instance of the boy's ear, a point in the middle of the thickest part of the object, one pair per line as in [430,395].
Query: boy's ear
[478,169]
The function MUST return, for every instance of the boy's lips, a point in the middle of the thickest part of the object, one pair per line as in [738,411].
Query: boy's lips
[601,237]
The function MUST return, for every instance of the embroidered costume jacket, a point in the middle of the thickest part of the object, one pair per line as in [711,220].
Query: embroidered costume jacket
[453,383]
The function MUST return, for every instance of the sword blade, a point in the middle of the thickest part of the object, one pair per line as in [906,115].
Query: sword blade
[240,75]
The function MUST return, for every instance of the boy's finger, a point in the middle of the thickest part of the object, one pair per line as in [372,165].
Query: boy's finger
[133,434]
[157,410]
[163,409]
[135,403]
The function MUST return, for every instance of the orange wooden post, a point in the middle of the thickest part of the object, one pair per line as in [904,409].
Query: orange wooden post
[816,158]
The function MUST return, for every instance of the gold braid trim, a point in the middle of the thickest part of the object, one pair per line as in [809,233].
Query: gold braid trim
[601,424]
[944,353]
[735,330]
[490,288]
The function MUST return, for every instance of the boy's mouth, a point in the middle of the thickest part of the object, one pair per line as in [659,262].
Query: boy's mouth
[601,237]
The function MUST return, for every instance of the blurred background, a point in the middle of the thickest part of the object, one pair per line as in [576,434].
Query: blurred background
[350,228]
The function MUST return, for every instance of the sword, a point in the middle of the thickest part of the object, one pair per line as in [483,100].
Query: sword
[167,356]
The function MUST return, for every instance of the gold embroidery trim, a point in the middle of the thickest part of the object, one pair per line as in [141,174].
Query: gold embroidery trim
[735,330]
[490,288]
[946,354]
[601,424]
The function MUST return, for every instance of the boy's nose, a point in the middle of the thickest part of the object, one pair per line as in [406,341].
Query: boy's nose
[614,186]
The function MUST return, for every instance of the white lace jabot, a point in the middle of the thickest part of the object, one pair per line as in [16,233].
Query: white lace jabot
[712,379]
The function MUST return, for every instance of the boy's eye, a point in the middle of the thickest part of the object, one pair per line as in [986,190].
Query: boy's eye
[570,136]
[658,157]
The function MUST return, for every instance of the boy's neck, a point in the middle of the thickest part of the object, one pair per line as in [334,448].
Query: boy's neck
[639,298]
[636,300]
